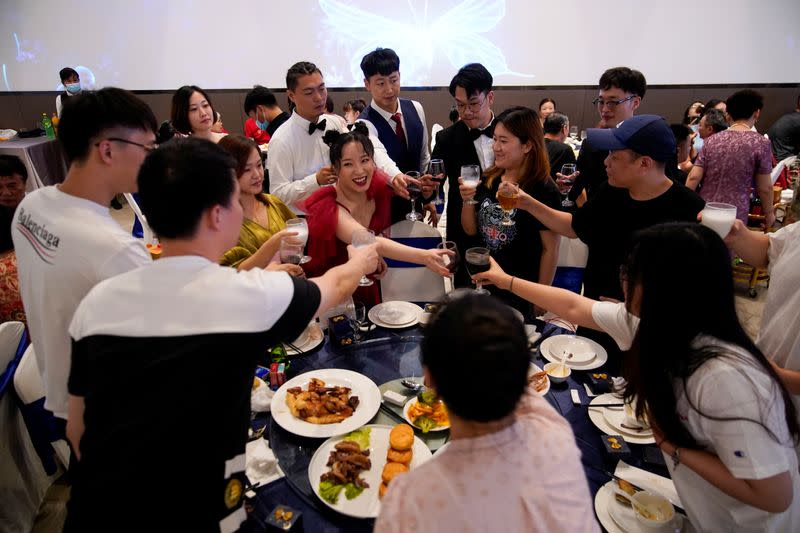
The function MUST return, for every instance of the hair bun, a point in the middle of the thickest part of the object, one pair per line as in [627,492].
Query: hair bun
[331,136]
[359,127]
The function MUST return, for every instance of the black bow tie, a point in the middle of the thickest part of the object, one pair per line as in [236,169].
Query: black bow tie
[318,126]
[474,133]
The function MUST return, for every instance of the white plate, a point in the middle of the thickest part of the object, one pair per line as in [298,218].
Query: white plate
[532,370]
[314,337]
[598,361]
[618,518]
[582,352]
[369,397]
[407,309]
[367,504]
[616,418]
[408,405]
[599,420]
[602,502]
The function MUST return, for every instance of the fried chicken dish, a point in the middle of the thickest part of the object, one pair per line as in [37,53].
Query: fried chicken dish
[320,404]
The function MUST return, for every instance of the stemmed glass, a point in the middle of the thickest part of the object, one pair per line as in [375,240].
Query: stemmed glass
[477,262]
[451,261]
[565,183]
[507,197]
[436,169]
[299,226]
[573,132]
[360,239]
[360,315]
[471,177]
[414,190]
[291,252]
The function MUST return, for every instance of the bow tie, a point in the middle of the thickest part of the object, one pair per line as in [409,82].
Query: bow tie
[474,133]
[318,126]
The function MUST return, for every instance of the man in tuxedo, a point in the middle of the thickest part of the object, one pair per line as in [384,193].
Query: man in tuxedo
[467,142]
[399,123]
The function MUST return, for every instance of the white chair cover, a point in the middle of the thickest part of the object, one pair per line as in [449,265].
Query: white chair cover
[10,334]
[436,128]
[776,172]
[409,282]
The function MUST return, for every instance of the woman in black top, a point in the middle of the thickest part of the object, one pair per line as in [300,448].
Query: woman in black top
[526,249]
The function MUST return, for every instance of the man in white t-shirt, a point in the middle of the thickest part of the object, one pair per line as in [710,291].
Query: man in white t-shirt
[64,236]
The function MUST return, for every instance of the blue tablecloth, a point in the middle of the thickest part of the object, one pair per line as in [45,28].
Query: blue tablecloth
[389,355]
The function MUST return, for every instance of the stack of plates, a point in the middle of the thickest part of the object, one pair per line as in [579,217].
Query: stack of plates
[395,315]
[582,353]
[610,420]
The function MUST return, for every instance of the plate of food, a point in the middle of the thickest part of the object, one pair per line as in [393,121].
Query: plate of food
[324,403]
[426,412]
[538,380]
[351,473]
[396,314]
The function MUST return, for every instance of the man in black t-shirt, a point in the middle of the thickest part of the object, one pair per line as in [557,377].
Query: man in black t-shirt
[174,346]
[785,134]
[621,93]
[556,129]
[637,195]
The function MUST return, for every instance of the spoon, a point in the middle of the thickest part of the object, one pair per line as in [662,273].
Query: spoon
[412,385]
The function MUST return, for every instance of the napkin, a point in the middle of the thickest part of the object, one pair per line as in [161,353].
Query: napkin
[261,466]
[261,398]
[648,481]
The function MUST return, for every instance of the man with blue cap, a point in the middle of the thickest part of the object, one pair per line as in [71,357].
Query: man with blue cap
[638,195]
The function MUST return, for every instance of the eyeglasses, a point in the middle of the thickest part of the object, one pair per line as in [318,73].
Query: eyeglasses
[145,147]
[612,104]
[474,107]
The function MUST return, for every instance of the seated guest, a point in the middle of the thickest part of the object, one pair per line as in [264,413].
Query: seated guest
[683,139]
[13,177]
[785,134]
[264,215]
[713,121]
[723,420]
[172,329]
[218,126]
[352,109]
[193,114]
[361,198]
[556,130]
[298,157]
[527,248]
[509,451]
[546,108]
[736,160]
[453,117]
[264,115]
[72,86]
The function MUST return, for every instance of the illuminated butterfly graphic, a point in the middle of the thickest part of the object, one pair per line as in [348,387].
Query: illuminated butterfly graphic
[418,36]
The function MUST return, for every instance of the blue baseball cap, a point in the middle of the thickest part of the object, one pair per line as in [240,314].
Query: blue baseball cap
[648,135]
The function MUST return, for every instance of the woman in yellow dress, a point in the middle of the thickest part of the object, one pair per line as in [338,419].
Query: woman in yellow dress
[265,215]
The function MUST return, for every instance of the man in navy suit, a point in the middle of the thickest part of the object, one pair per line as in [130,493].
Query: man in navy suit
[467,142]
[399,123]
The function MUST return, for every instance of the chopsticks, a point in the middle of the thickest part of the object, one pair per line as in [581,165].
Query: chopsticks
[603,404]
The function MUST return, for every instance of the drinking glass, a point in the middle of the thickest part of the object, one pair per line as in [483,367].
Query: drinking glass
[565,183]
[471,176]
[583,135]
[477,262]
[573,132]
[359,316]
[414,190]
[436,169]
[299,226]
[719,217]
[450,261]
[291,252]
[507,197]
[360,239]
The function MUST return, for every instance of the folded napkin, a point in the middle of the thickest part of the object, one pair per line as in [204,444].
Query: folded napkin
[260,397]
[261,466]
[648,481]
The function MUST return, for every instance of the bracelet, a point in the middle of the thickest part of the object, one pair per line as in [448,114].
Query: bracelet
[511,286]
[676,457]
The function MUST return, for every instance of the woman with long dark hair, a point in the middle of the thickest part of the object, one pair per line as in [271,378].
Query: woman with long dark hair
[193,113]
[719,412]
[525,248]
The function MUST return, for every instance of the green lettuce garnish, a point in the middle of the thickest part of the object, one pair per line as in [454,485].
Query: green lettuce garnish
[427,397]
[424,423]
[351,491]
[360,437]
[329,491]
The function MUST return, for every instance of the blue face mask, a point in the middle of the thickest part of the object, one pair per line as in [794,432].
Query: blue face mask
[261,125]
[73,88]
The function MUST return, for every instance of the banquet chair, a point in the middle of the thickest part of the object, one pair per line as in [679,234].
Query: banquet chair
[410,282]
[13,340]
[149,236]
[572,257]
[40,422]
[436,128]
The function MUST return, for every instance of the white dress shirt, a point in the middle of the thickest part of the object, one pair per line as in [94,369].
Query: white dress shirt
[483,147]
[295,157]
[424,153]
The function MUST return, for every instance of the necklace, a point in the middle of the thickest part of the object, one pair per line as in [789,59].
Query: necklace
[742,124]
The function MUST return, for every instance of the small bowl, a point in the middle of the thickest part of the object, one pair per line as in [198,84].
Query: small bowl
[550,368]
[662,509]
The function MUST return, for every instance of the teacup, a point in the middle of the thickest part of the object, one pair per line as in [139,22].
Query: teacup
[653,511]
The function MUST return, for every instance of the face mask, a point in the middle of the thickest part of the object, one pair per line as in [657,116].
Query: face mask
[73,88]
[261,125]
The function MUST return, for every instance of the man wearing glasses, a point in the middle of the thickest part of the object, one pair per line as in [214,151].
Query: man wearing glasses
[467,142]
[65,238]
[621,93]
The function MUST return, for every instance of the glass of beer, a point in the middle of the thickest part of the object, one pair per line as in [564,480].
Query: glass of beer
[477,262]
[507,197]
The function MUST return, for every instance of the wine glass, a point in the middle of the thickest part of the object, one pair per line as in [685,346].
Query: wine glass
[414,190]
[573,132]
[360,239]
[359,316]
[565,183]
[477,262]
[471,177]
[436,169]
[291,252]
[507,197]
[450,261]
[583,135]
[299,226]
